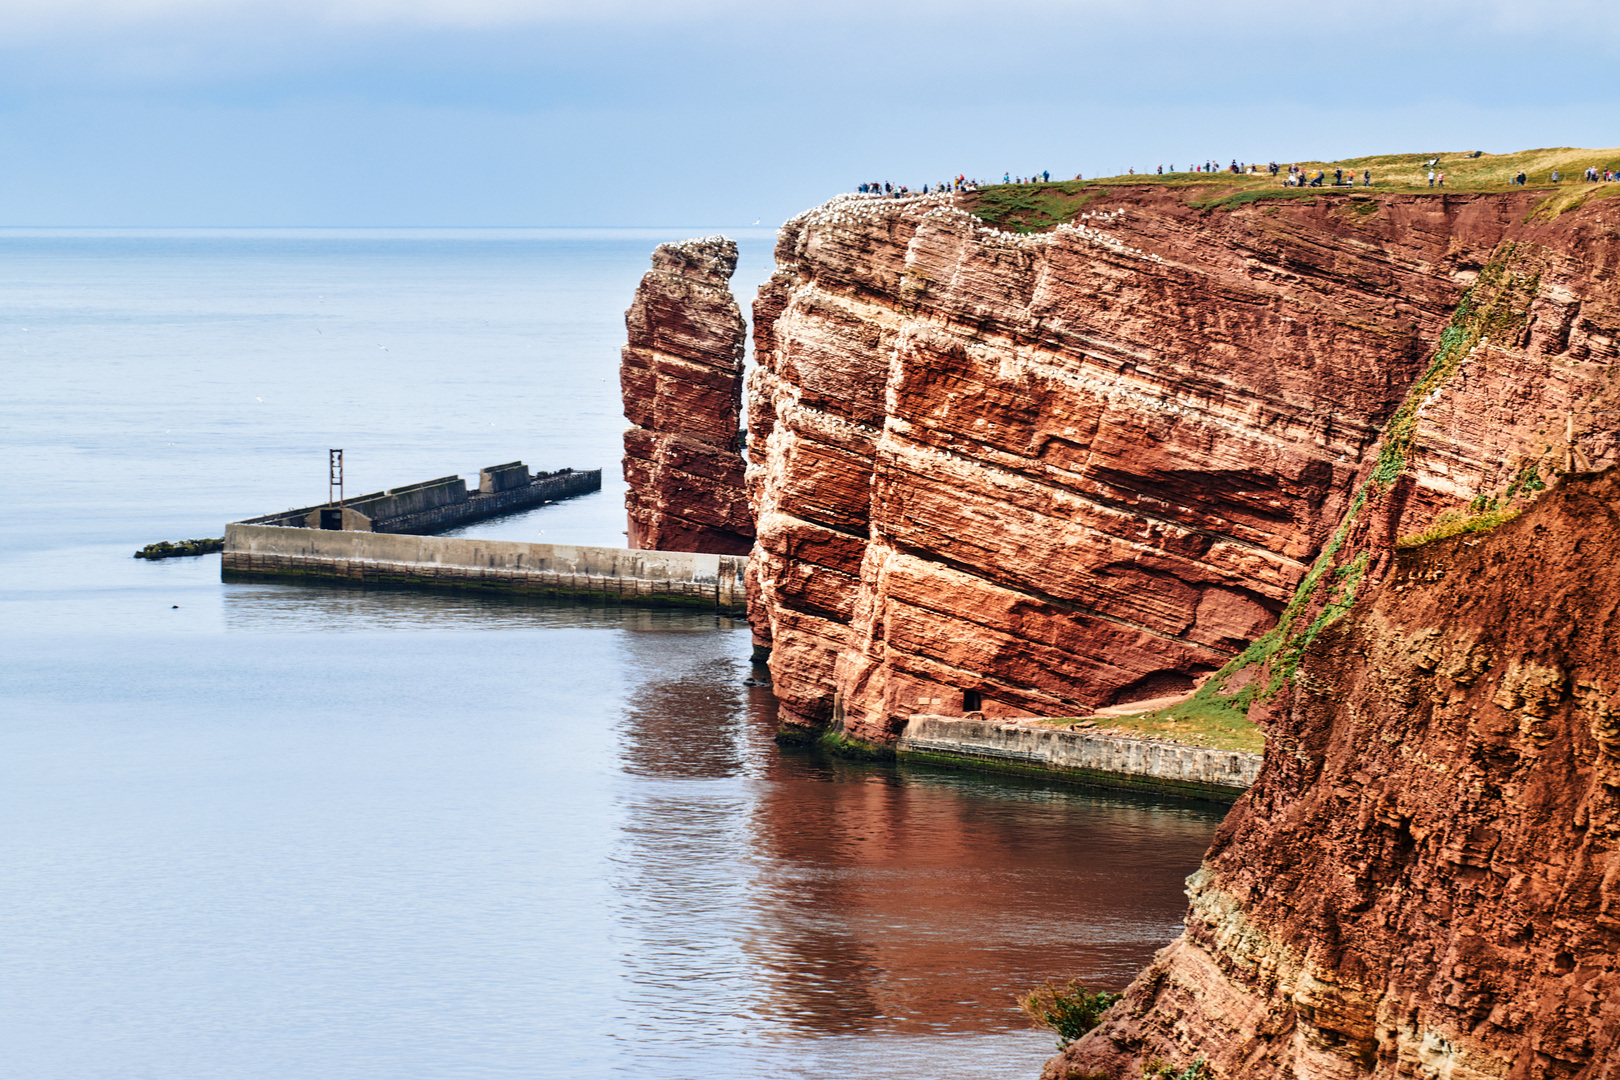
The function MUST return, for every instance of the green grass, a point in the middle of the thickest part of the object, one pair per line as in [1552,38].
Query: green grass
[1256,194]
[1027,208]
[1210,720]
[1456,522]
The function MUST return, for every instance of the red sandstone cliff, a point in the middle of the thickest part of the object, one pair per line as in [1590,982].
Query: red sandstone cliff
[1079,468]
[1085,467]
[1425,880]
[681,376]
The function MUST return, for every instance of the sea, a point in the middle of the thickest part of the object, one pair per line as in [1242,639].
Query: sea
[290,832]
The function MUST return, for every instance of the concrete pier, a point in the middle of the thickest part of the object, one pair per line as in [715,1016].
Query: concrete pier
[445,503]
[1113,761]
[610,575]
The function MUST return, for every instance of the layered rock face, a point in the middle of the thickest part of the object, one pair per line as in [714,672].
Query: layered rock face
[681,376]
[1425,880]
[1041,474]
[1535,394]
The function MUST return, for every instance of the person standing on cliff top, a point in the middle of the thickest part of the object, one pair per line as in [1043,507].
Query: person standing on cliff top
[1046,177]
[1442,178]
[1431,178]
[1366,178]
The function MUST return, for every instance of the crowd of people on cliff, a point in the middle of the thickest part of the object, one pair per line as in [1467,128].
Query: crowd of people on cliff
[1296,176]
[1299,177]
[960,183]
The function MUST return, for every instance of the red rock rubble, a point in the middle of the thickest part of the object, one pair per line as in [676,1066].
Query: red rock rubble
[681,376]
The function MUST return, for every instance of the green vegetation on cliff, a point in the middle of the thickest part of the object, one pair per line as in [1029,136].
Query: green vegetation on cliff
[1037,207]
[1029,208]
[839,745]
[1212,721]
[1498,303]
[1069,1011]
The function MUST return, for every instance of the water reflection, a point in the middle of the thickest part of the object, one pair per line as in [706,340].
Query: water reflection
[822,898]
[904,901]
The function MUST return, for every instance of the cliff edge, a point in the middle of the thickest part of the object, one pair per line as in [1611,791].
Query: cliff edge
[1040,474]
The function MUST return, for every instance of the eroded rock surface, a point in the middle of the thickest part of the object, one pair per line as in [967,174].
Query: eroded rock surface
[1425,879]
[1038,475]
[681,376]
[1042,474]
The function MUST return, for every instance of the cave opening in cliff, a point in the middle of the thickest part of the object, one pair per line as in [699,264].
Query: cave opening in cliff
[972,701]
[1158,684]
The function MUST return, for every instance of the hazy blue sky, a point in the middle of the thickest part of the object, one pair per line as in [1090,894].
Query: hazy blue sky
[712,112]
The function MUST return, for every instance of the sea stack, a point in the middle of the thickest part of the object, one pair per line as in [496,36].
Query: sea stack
[681,375]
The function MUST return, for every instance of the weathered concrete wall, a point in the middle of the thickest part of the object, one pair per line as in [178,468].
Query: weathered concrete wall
[1105,760]
[353,519]
[436,505]
[620,574]
[479,506]
[413,499]
[513,474]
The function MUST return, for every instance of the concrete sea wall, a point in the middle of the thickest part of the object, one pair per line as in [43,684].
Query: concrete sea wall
[615,575]
[1103,760]
[445,503]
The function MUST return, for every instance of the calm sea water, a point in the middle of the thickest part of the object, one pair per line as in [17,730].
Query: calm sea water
[268,831]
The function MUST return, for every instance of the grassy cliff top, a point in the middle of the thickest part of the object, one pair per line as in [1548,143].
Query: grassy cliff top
[1036,207]
[1208,721]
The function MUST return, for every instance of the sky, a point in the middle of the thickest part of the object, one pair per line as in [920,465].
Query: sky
[724,113]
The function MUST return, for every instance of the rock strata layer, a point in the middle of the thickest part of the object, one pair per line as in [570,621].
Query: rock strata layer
[1036,475]
[681,376]
[1425,879]
[1042,474]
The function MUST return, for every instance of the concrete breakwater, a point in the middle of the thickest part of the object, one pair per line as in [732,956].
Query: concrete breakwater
[609,575]
[435,505]
[1113,761]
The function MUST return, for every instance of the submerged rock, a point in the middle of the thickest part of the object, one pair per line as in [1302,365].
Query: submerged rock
[165,549]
